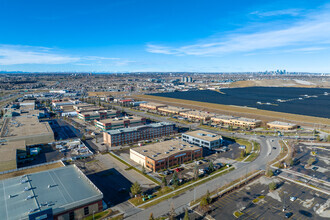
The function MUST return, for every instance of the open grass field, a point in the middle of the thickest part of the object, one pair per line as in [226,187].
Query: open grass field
[30,170]
[240,111]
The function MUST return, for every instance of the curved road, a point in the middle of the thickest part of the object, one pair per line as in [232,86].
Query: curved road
[267,154]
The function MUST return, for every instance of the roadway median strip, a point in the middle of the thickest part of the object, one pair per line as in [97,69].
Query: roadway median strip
[183,189]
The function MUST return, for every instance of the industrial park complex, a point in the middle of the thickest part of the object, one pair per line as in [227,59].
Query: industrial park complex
[72,154]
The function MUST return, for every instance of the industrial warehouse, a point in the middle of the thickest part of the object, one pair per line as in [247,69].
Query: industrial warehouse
[60,193]
[165,154]
[27,128]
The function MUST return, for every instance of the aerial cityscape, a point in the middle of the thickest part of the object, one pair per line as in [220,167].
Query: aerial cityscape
[154,110]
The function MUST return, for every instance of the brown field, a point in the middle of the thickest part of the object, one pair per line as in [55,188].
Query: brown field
[106,93]
[30,170]
[263,115]
[279,83]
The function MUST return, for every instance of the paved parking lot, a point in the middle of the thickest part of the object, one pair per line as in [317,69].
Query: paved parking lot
[63,130]
[320,169]
[112,177]
[260,203]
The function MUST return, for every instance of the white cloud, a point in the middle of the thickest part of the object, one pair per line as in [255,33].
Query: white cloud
[15,54]
[311,31]
[292,12]
[18,54]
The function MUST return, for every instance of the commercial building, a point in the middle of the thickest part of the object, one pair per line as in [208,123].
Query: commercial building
[27,128]
[281,125]
[10,153]
[117,123]
[60,193]
[152,105]
[58,103]
[203,139]
[165,154]
[28,104]
[199,115]
[172,110]
[236,121]
[132,135]
[97,115]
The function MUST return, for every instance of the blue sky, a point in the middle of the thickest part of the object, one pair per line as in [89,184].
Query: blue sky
[164,35]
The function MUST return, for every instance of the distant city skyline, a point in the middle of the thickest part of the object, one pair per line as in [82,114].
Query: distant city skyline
[164,36]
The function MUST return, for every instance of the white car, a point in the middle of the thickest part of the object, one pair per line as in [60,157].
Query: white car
[293,198]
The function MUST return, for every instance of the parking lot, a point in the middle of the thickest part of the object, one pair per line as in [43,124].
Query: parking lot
[320,168]
[256,201]
[112,177]
[62,130]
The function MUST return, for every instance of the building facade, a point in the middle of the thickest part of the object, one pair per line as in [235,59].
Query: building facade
[152,105]
[236,121]
[132,135]
[281,125]
[117,123]
[164,155]
[98,115]
[203,139]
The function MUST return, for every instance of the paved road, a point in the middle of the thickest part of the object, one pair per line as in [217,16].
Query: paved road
[180,202]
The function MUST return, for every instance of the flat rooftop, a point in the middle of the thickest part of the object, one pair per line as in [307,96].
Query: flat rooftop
[25,126]
[60,189]
[199,113]
[155,104]
[204,135]
[281,123]
[164,149]
[174,108]
[8,154]
[126,130]
[120,119]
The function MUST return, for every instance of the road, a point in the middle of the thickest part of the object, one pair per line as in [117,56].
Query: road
[181,202]
[267,154]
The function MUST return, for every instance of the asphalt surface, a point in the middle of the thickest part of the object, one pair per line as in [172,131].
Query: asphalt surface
[267,153]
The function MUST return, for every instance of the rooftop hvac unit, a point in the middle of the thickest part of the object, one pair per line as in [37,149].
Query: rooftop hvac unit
[166,152]
[155,155]
[144,151]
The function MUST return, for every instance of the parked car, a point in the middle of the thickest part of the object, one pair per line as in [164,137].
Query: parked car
[198,162]
[278,171]
[293,198]
[178,169]
[288,215]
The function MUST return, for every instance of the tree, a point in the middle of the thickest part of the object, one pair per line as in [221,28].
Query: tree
[136,189]
[175,179]
[211,167]
[272,186]
[208,197]
[143,170]
[172,212]
[243,153]
[151,216]
[328,138]
[196,172]
[164,181]
[269,171]
[83,138]
[186,215]
[310,161]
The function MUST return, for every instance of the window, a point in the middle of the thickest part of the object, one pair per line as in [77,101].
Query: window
[86,210]
[71,215]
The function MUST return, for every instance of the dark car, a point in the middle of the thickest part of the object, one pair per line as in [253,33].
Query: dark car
[288,215]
